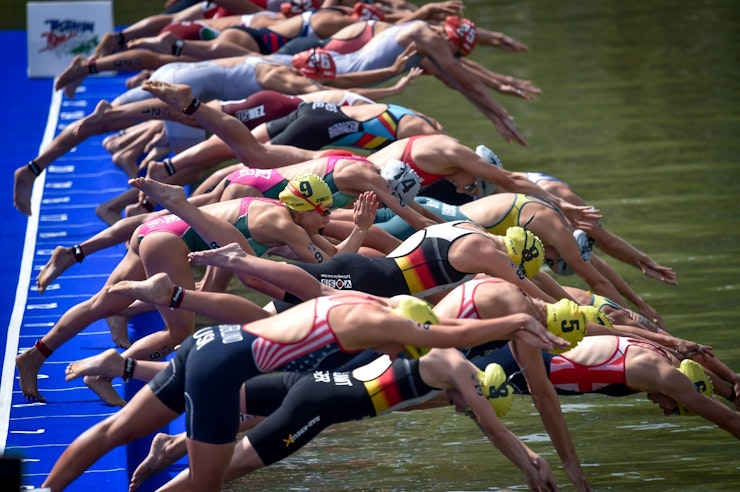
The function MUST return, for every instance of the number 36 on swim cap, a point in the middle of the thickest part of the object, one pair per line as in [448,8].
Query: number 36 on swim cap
[316,63]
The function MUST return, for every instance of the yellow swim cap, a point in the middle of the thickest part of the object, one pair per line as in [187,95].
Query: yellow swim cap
[420,311]
[496,389]
[567,320]
[307,192]
[525,250]
[596,315]
[695,372]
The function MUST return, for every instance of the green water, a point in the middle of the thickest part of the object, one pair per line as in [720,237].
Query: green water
[639,113]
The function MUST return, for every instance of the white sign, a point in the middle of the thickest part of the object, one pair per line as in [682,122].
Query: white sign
[59,31]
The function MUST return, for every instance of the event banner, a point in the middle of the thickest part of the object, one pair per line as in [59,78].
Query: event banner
[59,31]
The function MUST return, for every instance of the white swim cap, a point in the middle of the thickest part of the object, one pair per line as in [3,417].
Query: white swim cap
[402,180]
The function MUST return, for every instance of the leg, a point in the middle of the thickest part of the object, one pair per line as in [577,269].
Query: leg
[101,305]
[62,258]
[110,211]
[111,364]
[164,451]
[143,415]
[160,290]
[127,158]
[210,228]
[132,60]
[67,139]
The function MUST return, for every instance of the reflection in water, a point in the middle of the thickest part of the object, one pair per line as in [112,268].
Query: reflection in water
[639,114]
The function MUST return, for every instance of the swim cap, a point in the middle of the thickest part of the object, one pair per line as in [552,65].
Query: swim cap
[695,372]
[297,7]
[462,33]
[567,320]
[307,192]
[316,63]
[596,315]
[484,187]
[420,311]
[585,244]
[525,250]
[403,181]
[364,11]
[496,388]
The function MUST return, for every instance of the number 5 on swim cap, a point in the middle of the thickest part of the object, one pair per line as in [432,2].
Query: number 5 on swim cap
[567,320]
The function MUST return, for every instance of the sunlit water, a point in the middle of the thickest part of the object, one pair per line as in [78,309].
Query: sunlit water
[639,112]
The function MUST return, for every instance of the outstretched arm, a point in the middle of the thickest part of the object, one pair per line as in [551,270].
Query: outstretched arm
[620,249]
[654,374]
[546,400]
[643,307]
[285,276]
[505,84]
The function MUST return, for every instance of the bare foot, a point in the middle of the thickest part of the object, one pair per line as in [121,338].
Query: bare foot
[61,259]
[224,256]
[165,194]
[161,43]
[138,79]
[157,289]
[163,452]
[22,187]
[89,123]
[107,214]
[108,364]
[178,95]
[156,171]
[109,44]
[72,76]
[104,389]
[136,209]
[29,363]
[128,160]
[118,326]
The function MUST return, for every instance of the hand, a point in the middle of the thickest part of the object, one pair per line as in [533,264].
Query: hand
[507,43]
[406,80]
[581,216]
[510,90]
[400,64]
[517,87]
[542,478]
[688,349]
[364,210]
[658,272]
[439,11]
[505,126]
[650,313]
[534,333]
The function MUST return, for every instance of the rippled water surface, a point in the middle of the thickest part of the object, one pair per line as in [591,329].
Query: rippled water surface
[639,112]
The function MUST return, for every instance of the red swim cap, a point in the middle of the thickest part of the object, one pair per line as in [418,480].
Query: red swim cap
[297,7]
[462,33]
[316,63]
[365,11]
